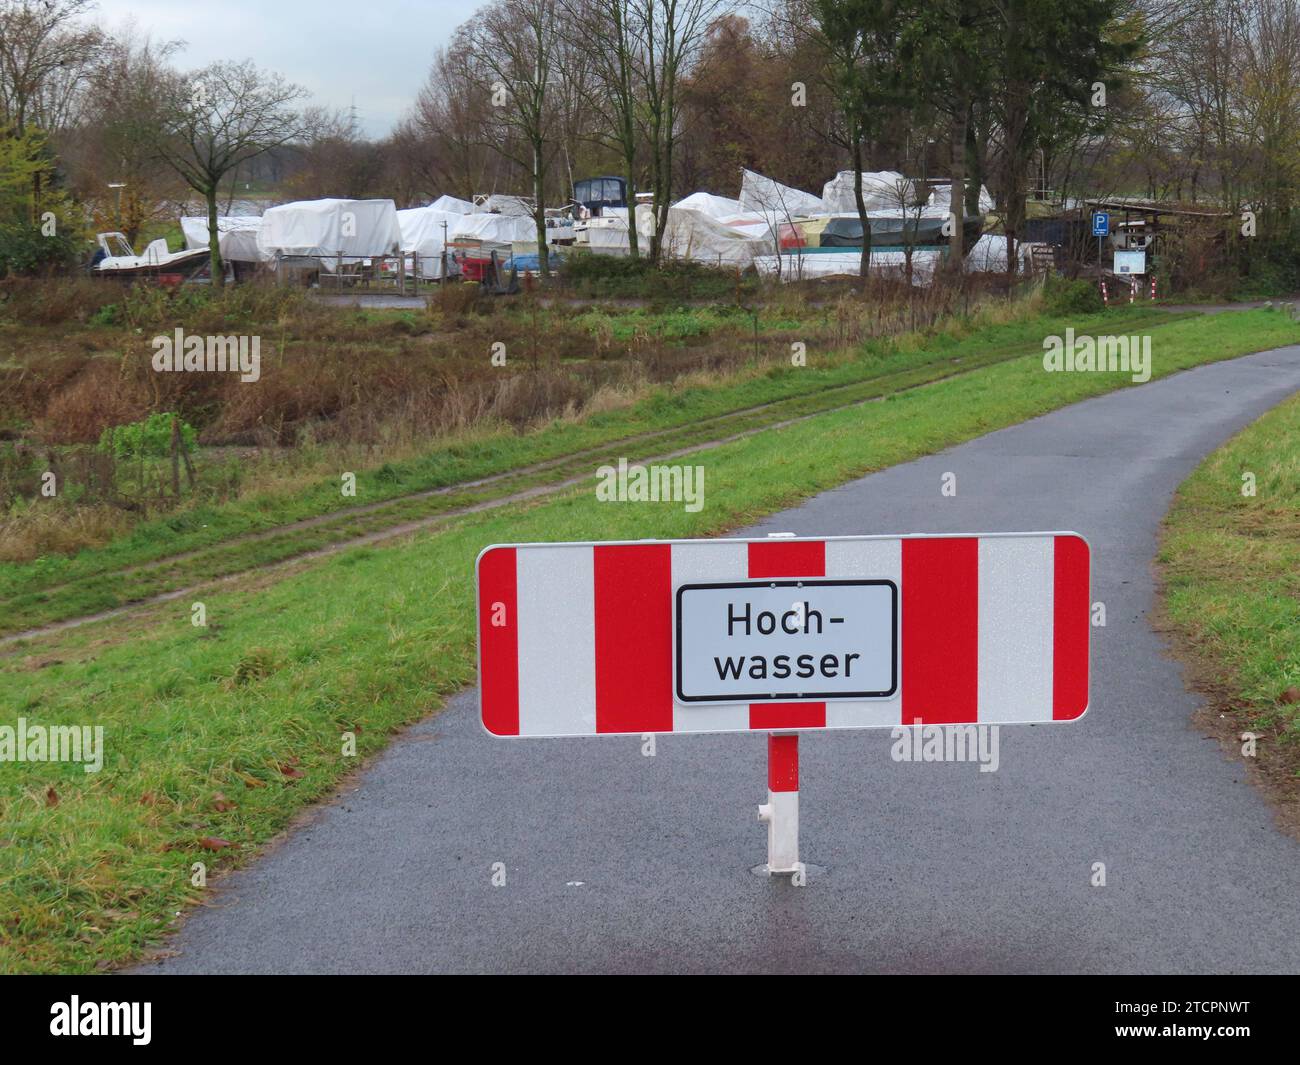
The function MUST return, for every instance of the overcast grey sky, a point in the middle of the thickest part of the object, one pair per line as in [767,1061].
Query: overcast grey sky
[378,51]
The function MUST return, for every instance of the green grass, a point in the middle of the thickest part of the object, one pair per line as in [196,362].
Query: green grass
[1231,565]
[142,563]
[680,322]
[376,638]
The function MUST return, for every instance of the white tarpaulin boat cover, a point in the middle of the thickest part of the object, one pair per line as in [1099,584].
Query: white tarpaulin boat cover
[424,230]
[941,196]
[729,212]
[453,205]
[881,190]
[714,229]
[910,214]
[500,203]
[890,264]
[989,255]
[236,236]
[501,228]
[358,229]
[721,208]
[774,200]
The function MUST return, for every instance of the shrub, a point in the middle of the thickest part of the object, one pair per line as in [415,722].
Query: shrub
[25,250]
[149,438]
[674,279]
[1061,296]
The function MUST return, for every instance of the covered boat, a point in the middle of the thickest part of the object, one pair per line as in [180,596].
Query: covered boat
[881,190]
[236,236]
[426,231]
[332,232]
[890,229]
[712,229]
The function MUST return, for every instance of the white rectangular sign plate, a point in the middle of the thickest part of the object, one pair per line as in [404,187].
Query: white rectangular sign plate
[757,641]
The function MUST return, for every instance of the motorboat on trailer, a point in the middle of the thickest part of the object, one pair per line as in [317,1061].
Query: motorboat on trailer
[115,260]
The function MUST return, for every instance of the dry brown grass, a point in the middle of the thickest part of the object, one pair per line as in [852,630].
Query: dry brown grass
[28,533]
[347,375]
[342,387]
[41,302]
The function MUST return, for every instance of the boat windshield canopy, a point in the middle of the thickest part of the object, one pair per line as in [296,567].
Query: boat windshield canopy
[597,193]
[116,245]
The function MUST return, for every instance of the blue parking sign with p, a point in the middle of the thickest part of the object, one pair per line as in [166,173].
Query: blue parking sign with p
[1100,223]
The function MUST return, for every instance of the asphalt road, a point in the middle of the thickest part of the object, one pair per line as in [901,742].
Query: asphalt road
[620,862]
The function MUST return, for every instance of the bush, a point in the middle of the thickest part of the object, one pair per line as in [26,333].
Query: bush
[25,250]
[610,276]
[39,225]
[1061,296]
[1271,267]
[148,438]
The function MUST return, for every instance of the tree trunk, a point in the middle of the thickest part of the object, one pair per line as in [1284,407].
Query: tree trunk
[539,216]
[974,167]
[668,176]
[657,205]
[1015,206]
[629,175]
[214,238]
[864,264]
[957,192]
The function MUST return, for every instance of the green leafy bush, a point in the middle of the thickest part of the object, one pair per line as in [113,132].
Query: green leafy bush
[25,250]
[39,233]
[148,438]
[610,276]
[1061,296]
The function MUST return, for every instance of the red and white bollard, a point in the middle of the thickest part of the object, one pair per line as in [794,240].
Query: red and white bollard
[1105,296]
[1132,289]
[1153,288]
[781,811]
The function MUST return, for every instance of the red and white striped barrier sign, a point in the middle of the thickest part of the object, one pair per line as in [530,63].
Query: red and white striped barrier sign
[782,634]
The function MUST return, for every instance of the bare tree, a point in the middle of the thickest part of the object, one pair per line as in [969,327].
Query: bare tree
[45,56]
[668,38]
[906,195]
[333,159]
[212,121]
[514,45]
[855,42]
[447,130]
[104,147]
[613,93]
[1195,63]
[1270,102]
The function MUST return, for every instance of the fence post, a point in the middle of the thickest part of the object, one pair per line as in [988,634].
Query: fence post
[176,457]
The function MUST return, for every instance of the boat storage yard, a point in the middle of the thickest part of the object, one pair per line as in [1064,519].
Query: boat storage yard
[779,231]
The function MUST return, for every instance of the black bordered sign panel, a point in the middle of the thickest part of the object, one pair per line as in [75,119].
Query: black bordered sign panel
[781,640]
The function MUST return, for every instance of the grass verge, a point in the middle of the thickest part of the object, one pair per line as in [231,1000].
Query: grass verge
[1230,563]
[216,736]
